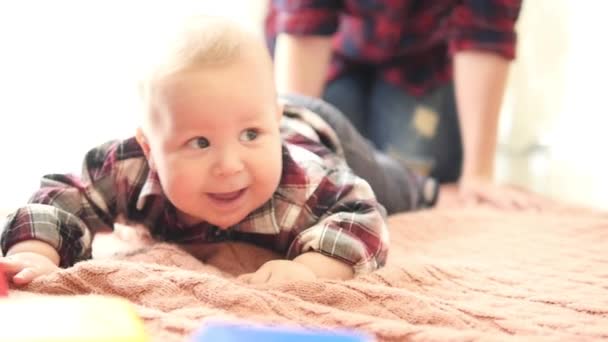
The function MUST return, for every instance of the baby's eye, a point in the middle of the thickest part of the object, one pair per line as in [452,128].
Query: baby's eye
[249,134]
[199,142]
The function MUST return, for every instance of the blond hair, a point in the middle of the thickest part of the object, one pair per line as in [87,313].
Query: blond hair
[196,42]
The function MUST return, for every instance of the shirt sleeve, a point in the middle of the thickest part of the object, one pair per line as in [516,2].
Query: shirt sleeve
[485,25]
[305,17]
[352,224]
[67,209]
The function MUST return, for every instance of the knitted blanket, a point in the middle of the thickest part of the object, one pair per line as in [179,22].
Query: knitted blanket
[454,274]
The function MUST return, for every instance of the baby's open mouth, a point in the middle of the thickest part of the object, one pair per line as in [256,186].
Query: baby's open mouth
[226,196]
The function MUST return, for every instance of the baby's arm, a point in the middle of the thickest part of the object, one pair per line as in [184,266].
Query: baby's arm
[29,259]
[350,230]
[55,228]
[350,237]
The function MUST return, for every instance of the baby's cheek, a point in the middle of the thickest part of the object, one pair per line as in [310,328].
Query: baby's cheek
[181,182]
[269,172]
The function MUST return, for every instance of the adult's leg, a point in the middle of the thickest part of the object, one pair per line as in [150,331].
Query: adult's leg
[423,132]
[350,95]
[396,187]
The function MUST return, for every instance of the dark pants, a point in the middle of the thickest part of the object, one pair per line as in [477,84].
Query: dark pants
[396,187]
[423,131]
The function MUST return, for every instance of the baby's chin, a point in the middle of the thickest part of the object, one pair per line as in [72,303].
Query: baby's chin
[224,223]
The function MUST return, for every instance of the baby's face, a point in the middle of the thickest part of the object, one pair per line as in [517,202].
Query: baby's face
[216,145]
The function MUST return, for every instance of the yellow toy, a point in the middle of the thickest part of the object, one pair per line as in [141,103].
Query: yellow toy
[69,319]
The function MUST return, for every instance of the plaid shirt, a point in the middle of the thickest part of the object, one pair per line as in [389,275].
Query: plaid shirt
[320,205]
[410,42]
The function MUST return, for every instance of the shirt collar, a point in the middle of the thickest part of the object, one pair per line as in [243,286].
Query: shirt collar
[150,188]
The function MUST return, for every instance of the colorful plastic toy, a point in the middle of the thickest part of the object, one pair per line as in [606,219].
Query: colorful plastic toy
[3,283]
[69,319]
[226,332]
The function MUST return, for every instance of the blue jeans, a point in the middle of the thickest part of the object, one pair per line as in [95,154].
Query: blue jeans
[423,132]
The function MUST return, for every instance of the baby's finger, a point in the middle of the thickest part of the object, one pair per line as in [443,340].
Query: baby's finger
[245,278]
[259,277]
[11,266]
[275,278]
[25,276]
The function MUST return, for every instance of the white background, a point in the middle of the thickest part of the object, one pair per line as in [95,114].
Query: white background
[67,84]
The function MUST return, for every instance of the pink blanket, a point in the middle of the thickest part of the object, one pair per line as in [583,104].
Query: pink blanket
[454,274]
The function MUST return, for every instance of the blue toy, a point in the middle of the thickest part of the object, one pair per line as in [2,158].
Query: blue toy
[226,332]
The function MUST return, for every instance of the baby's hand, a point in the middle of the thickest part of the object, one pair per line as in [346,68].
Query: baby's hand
[276,271]
[23,267]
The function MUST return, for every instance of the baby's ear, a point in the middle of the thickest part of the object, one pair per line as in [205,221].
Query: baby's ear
[142,140]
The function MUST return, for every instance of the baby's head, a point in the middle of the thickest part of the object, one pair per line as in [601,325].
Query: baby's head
[210,128]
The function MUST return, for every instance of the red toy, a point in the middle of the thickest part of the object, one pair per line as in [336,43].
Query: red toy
[3,283]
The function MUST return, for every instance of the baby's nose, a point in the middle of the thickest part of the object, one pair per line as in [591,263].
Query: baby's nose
[228,165]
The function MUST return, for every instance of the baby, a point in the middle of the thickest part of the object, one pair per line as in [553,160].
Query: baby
[217,158]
